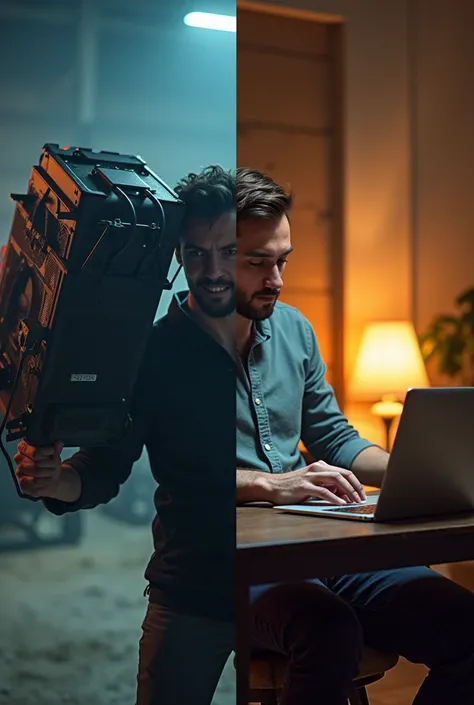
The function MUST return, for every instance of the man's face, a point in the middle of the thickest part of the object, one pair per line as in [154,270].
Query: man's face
[207,253]
[262,250]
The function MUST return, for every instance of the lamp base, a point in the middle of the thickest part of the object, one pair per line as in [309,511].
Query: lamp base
[388,410]
[388,422]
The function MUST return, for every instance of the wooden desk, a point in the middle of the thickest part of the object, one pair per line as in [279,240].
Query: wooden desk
[276,547]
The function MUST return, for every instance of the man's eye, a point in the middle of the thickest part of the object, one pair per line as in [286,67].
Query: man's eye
[230,252]
[256,264]
[194,253]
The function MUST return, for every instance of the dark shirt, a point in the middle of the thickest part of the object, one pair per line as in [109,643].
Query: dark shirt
[183,412]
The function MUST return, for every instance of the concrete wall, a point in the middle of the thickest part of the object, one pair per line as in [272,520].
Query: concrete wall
[167,95]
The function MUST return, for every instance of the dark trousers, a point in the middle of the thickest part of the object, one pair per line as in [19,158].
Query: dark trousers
[321,626]
[181,657]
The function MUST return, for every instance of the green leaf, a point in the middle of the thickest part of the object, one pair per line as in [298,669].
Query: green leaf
[451,360]
[467,322]
[450,337]
[466,299]
[443,325]
[446,319]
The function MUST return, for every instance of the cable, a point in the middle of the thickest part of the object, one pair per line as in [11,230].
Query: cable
[133,222]
[91,253]
[121,194]
[162,226]
[2,428]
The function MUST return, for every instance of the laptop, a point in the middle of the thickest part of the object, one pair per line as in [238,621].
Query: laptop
[431,467]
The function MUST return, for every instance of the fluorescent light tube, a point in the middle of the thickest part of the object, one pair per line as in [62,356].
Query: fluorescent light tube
[208,20]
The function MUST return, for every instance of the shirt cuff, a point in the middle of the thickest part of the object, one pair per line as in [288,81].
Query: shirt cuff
[349,451]
[55,506]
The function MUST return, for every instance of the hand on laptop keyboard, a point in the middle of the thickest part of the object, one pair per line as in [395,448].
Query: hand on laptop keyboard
[335,485]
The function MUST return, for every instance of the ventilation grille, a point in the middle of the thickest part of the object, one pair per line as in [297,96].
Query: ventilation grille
[52,274]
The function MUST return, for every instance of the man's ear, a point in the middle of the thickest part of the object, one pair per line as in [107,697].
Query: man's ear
[177,252]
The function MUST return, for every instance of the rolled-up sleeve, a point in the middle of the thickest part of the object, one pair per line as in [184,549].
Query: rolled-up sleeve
[102,472]
[326,432]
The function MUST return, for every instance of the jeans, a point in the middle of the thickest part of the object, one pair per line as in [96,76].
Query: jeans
[322,625]
[181,657]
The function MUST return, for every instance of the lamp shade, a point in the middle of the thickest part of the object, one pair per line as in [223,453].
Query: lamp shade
[389,362]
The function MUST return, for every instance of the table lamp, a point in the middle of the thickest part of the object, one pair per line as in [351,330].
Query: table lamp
[388,363]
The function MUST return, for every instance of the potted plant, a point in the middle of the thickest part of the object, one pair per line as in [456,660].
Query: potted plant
[449,339]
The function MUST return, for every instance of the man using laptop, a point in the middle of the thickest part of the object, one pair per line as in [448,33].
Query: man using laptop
[282,397]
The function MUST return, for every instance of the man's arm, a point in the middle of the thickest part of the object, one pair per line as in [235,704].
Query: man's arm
[370,466]
[325,431]
[252,486]
[335,485]
[93,476]
[70,488]
[90,477]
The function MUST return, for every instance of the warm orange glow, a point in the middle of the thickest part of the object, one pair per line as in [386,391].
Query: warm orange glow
[389,362]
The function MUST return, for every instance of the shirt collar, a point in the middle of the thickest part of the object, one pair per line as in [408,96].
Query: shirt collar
[262,331]
[179,306]
[180,313]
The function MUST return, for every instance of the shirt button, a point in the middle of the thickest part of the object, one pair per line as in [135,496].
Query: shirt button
[267,446]
[257,401]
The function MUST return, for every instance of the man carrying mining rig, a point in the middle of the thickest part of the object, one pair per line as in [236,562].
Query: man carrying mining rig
[183,413]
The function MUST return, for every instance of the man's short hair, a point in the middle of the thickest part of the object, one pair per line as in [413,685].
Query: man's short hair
[260,197]
[207,195]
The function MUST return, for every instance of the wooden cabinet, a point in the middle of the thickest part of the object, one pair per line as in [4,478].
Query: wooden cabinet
[289,124]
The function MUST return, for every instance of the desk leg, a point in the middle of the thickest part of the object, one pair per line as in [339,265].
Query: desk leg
[243,644]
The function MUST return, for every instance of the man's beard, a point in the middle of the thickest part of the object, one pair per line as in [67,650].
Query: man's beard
[214,306]
[256,310]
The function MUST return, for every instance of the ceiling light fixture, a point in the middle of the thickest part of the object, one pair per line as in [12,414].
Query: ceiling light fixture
[208,20]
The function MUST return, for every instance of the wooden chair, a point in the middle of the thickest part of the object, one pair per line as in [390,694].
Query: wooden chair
[267,673]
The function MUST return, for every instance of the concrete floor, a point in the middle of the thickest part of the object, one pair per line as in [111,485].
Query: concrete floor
[70,620]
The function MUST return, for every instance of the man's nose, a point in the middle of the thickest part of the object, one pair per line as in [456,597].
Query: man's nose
[274,279]
[213,266]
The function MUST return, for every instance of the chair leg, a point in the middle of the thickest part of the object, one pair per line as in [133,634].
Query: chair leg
[359,697]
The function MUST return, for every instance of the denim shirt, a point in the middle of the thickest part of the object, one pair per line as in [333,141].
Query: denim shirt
[283,397]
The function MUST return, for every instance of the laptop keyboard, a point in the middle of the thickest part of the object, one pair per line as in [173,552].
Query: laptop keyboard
[361,509]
